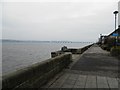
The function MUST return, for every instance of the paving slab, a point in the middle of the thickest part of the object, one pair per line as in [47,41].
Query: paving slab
[102,82]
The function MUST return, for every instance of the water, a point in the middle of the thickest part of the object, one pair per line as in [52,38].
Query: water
[16,55]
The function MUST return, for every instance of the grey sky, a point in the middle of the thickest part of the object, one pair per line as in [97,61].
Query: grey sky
[119,13]
[73,21]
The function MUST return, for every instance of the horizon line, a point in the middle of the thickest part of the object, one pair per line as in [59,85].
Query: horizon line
[43,40]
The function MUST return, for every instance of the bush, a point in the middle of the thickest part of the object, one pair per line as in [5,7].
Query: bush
[105,47]
[115,51]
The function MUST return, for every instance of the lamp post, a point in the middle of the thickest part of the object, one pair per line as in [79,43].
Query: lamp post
[116,12]
[101,39]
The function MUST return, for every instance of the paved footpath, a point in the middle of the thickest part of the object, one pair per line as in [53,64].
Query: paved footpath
[94,69]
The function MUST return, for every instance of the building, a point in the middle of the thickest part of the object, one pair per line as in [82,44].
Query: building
[113,38]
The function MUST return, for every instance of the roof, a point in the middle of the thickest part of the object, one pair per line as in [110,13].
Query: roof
[116,31]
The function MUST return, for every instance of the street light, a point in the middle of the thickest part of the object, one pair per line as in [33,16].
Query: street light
[115,12]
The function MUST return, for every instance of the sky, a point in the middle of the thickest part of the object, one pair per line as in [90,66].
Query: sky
[57,20]
[119,13]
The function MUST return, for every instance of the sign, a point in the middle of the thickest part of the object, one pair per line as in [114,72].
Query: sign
[115,34]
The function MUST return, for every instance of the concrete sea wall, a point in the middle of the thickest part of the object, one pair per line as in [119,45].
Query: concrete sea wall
[36,75]
[72,50]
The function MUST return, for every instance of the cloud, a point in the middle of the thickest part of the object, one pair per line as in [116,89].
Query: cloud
[119,13]
[59,0]
[82,21]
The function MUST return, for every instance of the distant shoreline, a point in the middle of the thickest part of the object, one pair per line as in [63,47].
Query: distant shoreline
[33,41]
